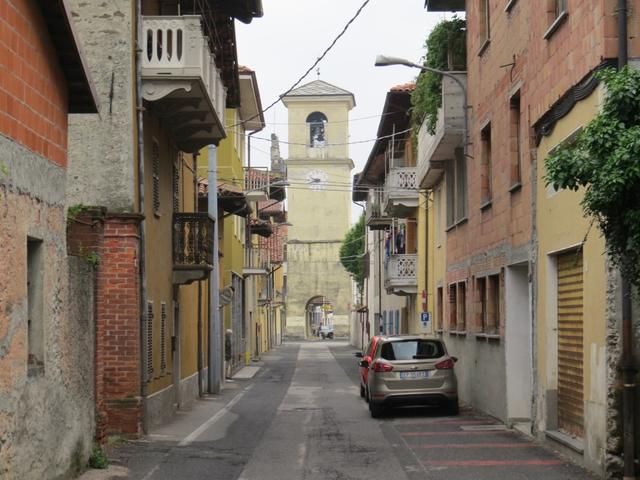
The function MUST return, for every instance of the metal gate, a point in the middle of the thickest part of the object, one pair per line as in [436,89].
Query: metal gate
[570,343]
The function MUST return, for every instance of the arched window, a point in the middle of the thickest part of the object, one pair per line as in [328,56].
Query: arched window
[317,122]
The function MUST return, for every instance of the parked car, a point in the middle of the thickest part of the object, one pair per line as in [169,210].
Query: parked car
[365,359]
[411,370]
[326,331]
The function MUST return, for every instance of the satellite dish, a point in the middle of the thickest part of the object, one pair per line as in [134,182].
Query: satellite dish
[226,295]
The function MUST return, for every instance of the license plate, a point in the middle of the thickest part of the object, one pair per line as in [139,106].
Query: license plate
[416,374]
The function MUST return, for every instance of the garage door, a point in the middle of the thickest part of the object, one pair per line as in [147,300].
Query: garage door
[570,343]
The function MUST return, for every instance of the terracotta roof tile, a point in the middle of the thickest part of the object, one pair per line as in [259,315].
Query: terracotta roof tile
[405,87]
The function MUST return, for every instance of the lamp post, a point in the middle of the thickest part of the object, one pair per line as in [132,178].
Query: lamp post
[386,61]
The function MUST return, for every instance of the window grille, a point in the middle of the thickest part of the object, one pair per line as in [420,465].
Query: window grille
[163,337]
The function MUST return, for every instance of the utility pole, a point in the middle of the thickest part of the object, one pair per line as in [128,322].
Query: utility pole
[214,374]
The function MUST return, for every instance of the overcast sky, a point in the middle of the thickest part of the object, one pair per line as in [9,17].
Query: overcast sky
[292,34]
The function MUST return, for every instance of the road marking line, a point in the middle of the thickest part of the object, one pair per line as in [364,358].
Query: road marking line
[200,430]
[490,463]
[474,445]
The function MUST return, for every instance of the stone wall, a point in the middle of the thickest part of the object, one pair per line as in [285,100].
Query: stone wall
[46,409]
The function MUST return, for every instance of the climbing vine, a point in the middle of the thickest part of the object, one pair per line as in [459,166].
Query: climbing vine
[446,50]
[604,158]
[352,250]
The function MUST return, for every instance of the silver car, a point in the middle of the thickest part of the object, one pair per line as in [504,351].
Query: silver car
[411,370]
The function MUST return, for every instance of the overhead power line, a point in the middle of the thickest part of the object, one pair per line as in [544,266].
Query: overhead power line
[318,60]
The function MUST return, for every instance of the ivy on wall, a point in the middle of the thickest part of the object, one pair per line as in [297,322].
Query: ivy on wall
[604,158]
[352,251]
[446,50]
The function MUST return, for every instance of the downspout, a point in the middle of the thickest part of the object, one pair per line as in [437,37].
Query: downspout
[199,326]
[141,206]
[628,368]
[215,336]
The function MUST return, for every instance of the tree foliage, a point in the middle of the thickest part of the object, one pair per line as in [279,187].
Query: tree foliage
[446,50]
[604,158]
[352,251]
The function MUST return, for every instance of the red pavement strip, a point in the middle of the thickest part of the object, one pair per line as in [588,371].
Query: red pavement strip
[447,433]
[489,463]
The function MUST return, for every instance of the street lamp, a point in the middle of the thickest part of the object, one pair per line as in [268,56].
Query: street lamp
[386,61]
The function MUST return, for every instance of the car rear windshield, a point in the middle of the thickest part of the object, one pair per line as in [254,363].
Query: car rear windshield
[412,350]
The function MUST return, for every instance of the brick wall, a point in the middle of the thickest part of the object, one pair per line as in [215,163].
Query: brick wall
[117,376]
[33,98]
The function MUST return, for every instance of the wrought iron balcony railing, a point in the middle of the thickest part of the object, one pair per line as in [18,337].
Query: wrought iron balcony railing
[375,217]
[192,246]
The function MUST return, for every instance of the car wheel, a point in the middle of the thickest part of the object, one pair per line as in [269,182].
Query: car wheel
[376,410]
[362,391]
[453,407]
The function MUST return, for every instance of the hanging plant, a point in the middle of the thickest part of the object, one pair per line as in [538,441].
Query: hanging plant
[604,158]
[446,50]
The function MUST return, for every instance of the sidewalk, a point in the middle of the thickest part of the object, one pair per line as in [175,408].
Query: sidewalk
[185,427]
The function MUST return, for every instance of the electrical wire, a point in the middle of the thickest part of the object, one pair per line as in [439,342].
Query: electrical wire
[318,60]
[368,117]
[356,142]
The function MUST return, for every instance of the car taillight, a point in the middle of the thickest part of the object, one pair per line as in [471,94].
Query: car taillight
[381,367]
[445,364]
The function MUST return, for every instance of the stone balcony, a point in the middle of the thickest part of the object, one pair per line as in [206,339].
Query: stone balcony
[180,80]
[375,218]
[401,192]
[401,274]
[192,246]
[434,150]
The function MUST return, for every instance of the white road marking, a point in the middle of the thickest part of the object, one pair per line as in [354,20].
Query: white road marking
[221,413]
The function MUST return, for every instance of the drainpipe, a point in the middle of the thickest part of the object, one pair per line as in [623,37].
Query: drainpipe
[215,338]
[628,368]
[199,333]
[141,206]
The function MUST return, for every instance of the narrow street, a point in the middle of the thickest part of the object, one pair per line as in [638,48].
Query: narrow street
[300,417]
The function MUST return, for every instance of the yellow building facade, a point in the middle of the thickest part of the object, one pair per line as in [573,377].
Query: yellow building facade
[571,309]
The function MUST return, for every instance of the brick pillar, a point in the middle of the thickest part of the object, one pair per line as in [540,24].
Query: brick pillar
[118,397]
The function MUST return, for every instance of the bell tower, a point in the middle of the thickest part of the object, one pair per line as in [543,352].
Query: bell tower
[319,206]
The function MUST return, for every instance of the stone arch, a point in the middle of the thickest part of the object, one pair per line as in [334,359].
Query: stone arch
[318,311]
[317,122]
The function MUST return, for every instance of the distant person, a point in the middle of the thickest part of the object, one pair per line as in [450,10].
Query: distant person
[227,353]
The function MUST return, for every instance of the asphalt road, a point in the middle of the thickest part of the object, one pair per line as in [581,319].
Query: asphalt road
[301,417]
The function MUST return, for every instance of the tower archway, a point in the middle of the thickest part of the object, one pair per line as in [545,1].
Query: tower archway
[317,131]
[318,311]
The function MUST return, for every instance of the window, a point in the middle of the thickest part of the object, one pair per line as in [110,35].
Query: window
[439,309]
[485,166]
[461,307]
[155,176]
[556,15]
[175,184]
[317,122]
[456,185]
[163,337]
[453,304]
[149,339]
[35,307]
[514,143]
[484,24]
[412,350]
[489,304]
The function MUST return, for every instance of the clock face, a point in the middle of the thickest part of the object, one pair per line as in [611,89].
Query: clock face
[316,179]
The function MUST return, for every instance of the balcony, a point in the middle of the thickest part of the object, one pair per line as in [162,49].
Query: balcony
[401,192]
[374,215]
[401,274]
[256,261]
[192,247]
[434,150]
[180,80]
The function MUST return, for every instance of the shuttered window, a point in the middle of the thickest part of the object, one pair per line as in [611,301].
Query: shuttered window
[149,339]
[570,343]
[163,338]
[155,176]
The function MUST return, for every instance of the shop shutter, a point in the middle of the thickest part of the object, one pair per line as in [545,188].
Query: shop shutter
[570,343]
